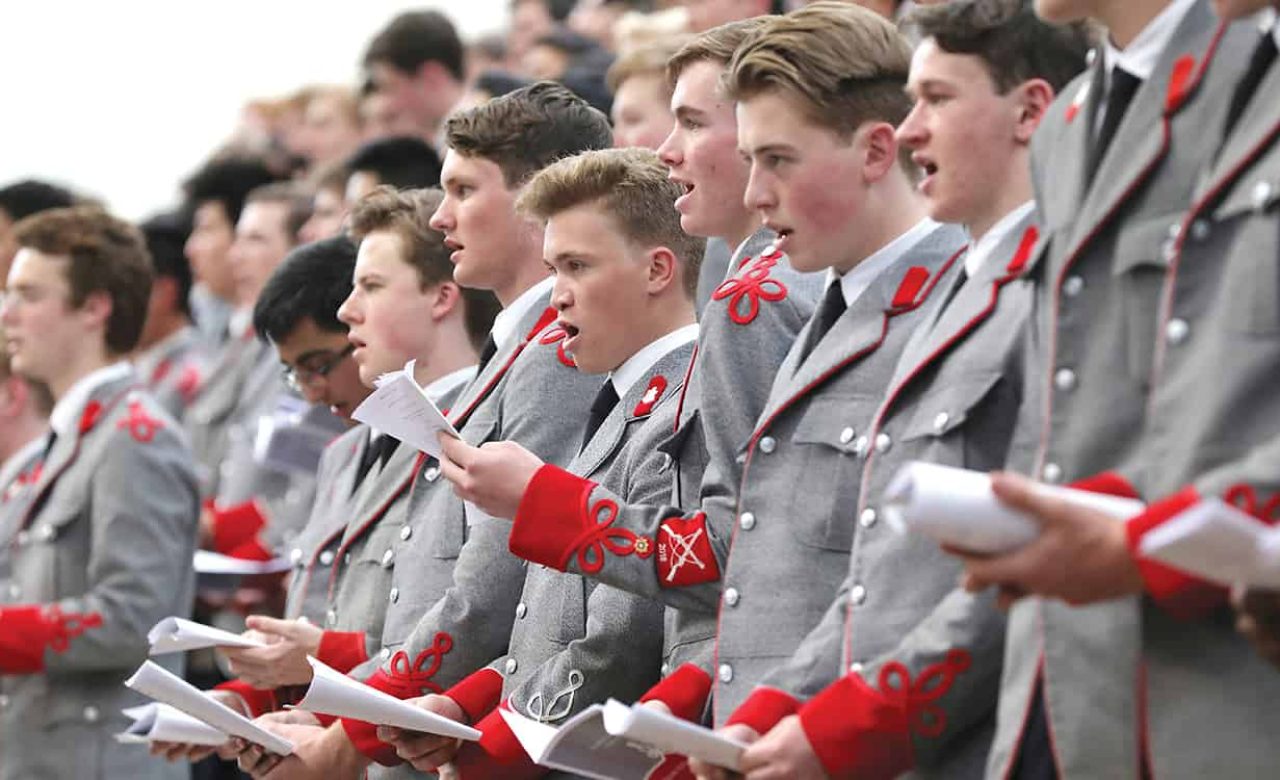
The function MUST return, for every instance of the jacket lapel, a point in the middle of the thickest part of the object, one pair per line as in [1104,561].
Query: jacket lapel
[379,490]
[1257,128]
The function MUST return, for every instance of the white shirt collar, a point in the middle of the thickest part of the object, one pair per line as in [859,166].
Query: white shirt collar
[626,375]
[1139,58]
[25,454]
[442,385]
[980,250]
[1266,19]
[507,320]
[855,282]
[65,417]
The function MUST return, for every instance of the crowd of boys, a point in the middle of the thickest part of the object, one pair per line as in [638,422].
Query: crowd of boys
[685,352]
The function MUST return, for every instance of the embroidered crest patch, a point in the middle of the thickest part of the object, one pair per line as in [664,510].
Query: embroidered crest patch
[652,394]
[684,552]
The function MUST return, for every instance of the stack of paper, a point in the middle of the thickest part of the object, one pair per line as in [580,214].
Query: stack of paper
[334,693]
[400,408]
[156,682]
[162,723]
[670,734]
[582,746]
[956,507]
[1218,542]
[208,562]
[175,635]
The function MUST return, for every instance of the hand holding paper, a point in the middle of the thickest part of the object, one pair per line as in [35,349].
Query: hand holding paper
[400,408]
[492,477]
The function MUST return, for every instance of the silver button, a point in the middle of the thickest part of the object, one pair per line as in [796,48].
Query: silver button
[405,533]
[846,435]
[1177,330]
[1200,229]
[331,618]
[747,521]
[940,421]
[1169,251]
[24,538]
[1072,286]
[1064,379]
[91,714]
[522,609]
[295,556]
[664,462]
[1175,230]
[384,654]
[511,666]
[867,518]
[768,445]
[665,669]
[1090,56]
[4,701]
[856,667]
[768,250]
[883,442]
[731,596]
[346,559]
[15,592]
[431,474]
[857,594]
[326,558]
[725,673]
[1052,472]
[1261,194]
[394,595]
[387,558]
[861,446]
[45,533]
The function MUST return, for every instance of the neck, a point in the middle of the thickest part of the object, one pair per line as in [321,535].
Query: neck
[669,314]
[1014,194]
[163,328]
[452,351]
[1124,21]
[18,432]
[893,208]
[77,367]
[525,274]
[745,228]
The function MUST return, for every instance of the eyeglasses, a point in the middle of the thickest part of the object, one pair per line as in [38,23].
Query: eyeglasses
[298,376]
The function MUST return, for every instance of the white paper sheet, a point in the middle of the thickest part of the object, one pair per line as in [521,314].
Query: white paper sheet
[209,562]
[156,682]
[1218,542]
[670,734]
[956,507]
[334,693]
[174,635]
[157,722]
[399,407]
[582,746]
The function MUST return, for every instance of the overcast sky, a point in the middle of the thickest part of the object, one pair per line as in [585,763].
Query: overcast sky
[121,99]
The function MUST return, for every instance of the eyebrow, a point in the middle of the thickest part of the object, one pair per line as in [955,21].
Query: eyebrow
[684,111]
[773,148]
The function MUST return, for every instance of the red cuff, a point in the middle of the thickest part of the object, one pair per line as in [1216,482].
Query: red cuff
[364,737]
[27,630]
[234,526]
[1182,595]
[685,691]
[326,720]
[260,702]
[478,693]
[342,650]
[551,517]
[497,755]
[1109,482]
[764,708]
[856,731]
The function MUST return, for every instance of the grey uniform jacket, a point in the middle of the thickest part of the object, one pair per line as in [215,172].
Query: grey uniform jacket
[175,370]
[104,550]
[801,472]
[1121,674]
[215,407]
[576,642]
[456,586]
[954,399]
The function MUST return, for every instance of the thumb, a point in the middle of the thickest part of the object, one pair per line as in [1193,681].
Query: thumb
[270,625]
[1017,492]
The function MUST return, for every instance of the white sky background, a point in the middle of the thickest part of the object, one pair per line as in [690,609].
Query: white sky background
[121,99]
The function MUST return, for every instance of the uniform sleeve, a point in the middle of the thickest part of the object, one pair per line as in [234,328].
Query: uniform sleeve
[143,510]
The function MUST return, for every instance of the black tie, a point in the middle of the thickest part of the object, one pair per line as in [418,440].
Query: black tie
[379,451]
[50,440]
[486,353]
[1123,85]
[824,317]
[606,399]
[1264,56]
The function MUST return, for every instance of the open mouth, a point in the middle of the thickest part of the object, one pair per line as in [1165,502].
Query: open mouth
[570,335]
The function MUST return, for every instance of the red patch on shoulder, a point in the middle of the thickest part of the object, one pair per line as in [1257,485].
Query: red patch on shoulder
[745,292]
[1179,82]
[652,394]
[913,282]
[684,552]
[140,425]
[92,411]
[1023,254]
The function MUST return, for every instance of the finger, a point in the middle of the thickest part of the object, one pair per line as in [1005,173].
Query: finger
[456,450]
[390,734]
[268,625]
[452,471]
[1018,492]
[269,762]
[199,753]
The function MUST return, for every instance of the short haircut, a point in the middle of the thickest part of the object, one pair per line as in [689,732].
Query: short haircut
[842,64]
[414,38]
[408,215]
[496,83]
[227,182]
[1013,43]
[165,235]
[527,130]
[632,188]
[647,60]
[293,196]
[24,198]
[716,45]
[106,255]
[311,283]
[404,162]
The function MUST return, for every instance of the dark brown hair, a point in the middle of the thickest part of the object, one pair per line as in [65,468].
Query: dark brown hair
[715,45]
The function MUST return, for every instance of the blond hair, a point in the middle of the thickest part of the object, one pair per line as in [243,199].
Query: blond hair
[842,64]
[647,60]
[716,45]
[628,185]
